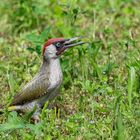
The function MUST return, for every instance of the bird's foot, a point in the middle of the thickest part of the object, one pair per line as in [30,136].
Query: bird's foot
[35,118]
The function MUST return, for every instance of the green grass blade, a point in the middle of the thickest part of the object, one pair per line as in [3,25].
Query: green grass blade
[131,82]
[120,127]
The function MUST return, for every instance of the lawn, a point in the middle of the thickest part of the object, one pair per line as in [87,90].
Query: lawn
[100,95]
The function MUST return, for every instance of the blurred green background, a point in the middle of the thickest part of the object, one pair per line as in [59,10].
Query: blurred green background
[100,95]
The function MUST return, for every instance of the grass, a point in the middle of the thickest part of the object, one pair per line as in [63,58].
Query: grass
[100,95]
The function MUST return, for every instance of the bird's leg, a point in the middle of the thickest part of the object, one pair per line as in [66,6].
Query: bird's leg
[36,116]
[32,106]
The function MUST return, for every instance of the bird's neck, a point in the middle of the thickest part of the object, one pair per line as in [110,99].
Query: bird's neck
[52,65]
[53,69]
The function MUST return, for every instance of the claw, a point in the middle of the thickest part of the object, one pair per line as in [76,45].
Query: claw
[35,118]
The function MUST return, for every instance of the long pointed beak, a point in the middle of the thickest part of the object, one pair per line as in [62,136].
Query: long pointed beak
[71,43]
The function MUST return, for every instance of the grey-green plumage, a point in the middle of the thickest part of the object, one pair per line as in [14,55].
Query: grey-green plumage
[45,85]
[36,88]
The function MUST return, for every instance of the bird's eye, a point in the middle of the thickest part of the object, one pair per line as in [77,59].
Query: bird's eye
[58,44]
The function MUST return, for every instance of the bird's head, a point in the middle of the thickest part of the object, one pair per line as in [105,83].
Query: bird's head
[56,46]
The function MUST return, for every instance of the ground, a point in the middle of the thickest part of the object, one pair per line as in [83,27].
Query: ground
[100,94]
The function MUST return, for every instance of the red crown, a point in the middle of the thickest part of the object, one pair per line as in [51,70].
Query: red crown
[51,41]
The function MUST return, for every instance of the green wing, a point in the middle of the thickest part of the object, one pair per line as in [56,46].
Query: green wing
[36,88]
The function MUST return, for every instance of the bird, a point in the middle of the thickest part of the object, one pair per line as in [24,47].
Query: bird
[46,83]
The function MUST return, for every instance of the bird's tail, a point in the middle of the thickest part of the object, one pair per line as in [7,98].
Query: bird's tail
[14,108]
[10,108]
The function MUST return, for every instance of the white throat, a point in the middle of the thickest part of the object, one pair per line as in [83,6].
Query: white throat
[55,76]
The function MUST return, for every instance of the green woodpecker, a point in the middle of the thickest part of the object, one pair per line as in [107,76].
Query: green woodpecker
[46,83]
